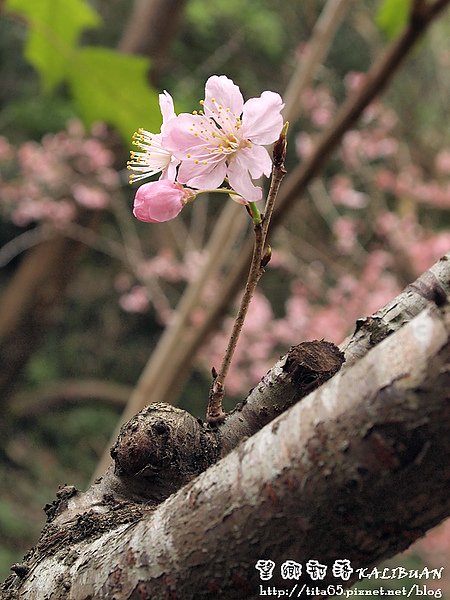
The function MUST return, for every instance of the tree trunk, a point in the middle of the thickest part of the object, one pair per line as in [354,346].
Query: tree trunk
[150,30]
[357,470]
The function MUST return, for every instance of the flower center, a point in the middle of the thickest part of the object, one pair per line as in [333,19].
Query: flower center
[231,144]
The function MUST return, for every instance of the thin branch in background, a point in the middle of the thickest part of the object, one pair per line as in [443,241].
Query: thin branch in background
[128,231]
[326,208]
[179,233]
[198,222]
[134,255]
[323,204]
[317,49]
[131,258]
[62,394]
[214,62]
[93,240]
[24,241]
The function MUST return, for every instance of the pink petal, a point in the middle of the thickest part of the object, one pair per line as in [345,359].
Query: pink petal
[189,135]
[223,100]
[170,172]
[239,180]
[166,106]
[261,118]
[201,176]
[159,201]
[256,160]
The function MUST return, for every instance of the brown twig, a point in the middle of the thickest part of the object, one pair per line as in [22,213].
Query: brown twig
[317,48]
[215,413]
[261,256]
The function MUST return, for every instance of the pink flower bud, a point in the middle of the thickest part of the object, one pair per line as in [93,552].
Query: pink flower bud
[160,201]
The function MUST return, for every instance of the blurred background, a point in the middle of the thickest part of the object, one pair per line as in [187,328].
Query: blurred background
[87,293]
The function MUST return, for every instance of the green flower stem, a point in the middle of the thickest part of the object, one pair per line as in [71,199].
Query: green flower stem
[218,191]
[261,256]
[256,215]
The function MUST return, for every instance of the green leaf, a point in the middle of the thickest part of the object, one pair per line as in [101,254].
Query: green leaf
[109,86]
[55,27]
[392,16]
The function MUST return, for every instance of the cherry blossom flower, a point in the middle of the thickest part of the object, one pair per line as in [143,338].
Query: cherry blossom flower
[343,193]
[153,158]
[226,140]
[160,201]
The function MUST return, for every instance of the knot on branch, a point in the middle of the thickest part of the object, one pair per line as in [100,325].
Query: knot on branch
[160,449]
[312,363]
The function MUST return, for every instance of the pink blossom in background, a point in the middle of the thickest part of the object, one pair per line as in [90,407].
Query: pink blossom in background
[345,230]
[44,182]
[442,162]
[318,99]
[193,261]
[437,541]
[162,266]
[41,165]
[354,80]
[135,301]
[123,282]
[409,182]
[406,236]
[228,140]
[153,156]
[297,318]
[319,105]
[385,179]
[342,192]
[407,179]
[424,252]
[351,149]
[90,197]
[94,157]
[160,201]
[304,145]
[58,213]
